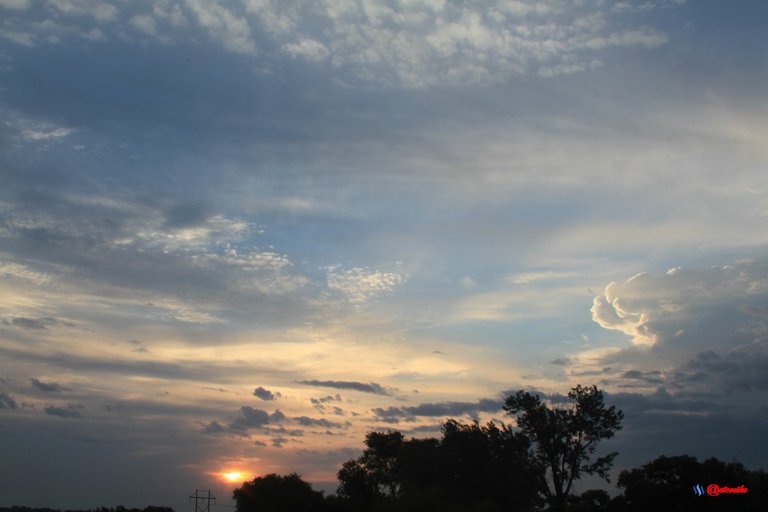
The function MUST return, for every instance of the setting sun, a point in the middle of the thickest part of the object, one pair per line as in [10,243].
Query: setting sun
[233,476]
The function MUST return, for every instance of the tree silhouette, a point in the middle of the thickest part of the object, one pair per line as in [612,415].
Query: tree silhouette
[666,483]
[472,467]
[563,439]
[278,493]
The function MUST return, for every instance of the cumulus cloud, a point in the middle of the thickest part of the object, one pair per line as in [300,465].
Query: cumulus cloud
[369,387]
[251,418]
[692,330]
[265,394]
[702,308]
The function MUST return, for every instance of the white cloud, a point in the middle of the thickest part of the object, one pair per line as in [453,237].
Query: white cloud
[56,133]
[14,4]
[22,38]
[97,9]
[361,285]
[232,31]
[702,309]
[308,49]
[23,272]
[417,44]
[144,23]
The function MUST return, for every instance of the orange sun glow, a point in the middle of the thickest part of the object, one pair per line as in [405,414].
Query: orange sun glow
[232,476]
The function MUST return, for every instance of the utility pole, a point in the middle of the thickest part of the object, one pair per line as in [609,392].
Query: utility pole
[202,502]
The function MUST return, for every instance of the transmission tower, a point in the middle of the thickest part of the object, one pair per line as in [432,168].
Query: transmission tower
[202,502]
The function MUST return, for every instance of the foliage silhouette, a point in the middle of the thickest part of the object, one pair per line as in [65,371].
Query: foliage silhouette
[277,493]
[473,467]
[564,439]
[666,483]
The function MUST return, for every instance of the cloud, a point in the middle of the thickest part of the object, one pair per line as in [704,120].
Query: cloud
[314,422]
[32,324]
[744,368]
[214,427]
[55,133]
[101,11]
[361,285]
[712,308]
[370,387]
[6,402]
[14,4]
[325,399]
[265,394]
[230,29]
[70,411]
[251,418]
[440,409]
[413,45]
[48,387]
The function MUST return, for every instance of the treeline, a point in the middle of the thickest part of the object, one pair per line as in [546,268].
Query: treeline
[491,467]
[119,508]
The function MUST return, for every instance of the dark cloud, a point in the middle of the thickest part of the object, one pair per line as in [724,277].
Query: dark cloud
[371,387]
[440,409]
[742,369]
[325,399]
[32,324]
[561,361]
[284,431]
[251,418]
[663,423]
[265,394]
[214,427]
[70,411]
[649,377]
[48,387]
[6,402]
[315,422]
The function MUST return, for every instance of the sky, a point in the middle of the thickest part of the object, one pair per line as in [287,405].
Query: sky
[236,236]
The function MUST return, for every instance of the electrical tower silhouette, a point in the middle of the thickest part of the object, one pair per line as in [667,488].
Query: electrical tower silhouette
[202,503]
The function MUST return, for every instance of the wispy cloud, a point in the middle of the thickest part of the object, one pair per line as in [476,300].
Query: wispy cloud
[365,387]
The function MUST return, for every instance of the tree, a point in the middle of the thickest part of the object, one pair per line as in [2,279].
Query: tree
[277,493]
[666,483]
[563,439]
[472,468]
[373,476]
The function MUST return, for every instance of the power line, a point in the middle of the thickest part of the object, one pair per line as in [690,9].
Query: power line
[202,503]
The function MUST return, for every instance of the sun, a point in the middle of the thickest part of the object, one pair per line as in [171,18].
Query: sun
[232,476]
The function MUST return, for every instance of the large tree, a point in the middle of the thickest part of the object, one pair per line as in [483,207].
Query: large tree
[563,438]
[277,493]
[473,467]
